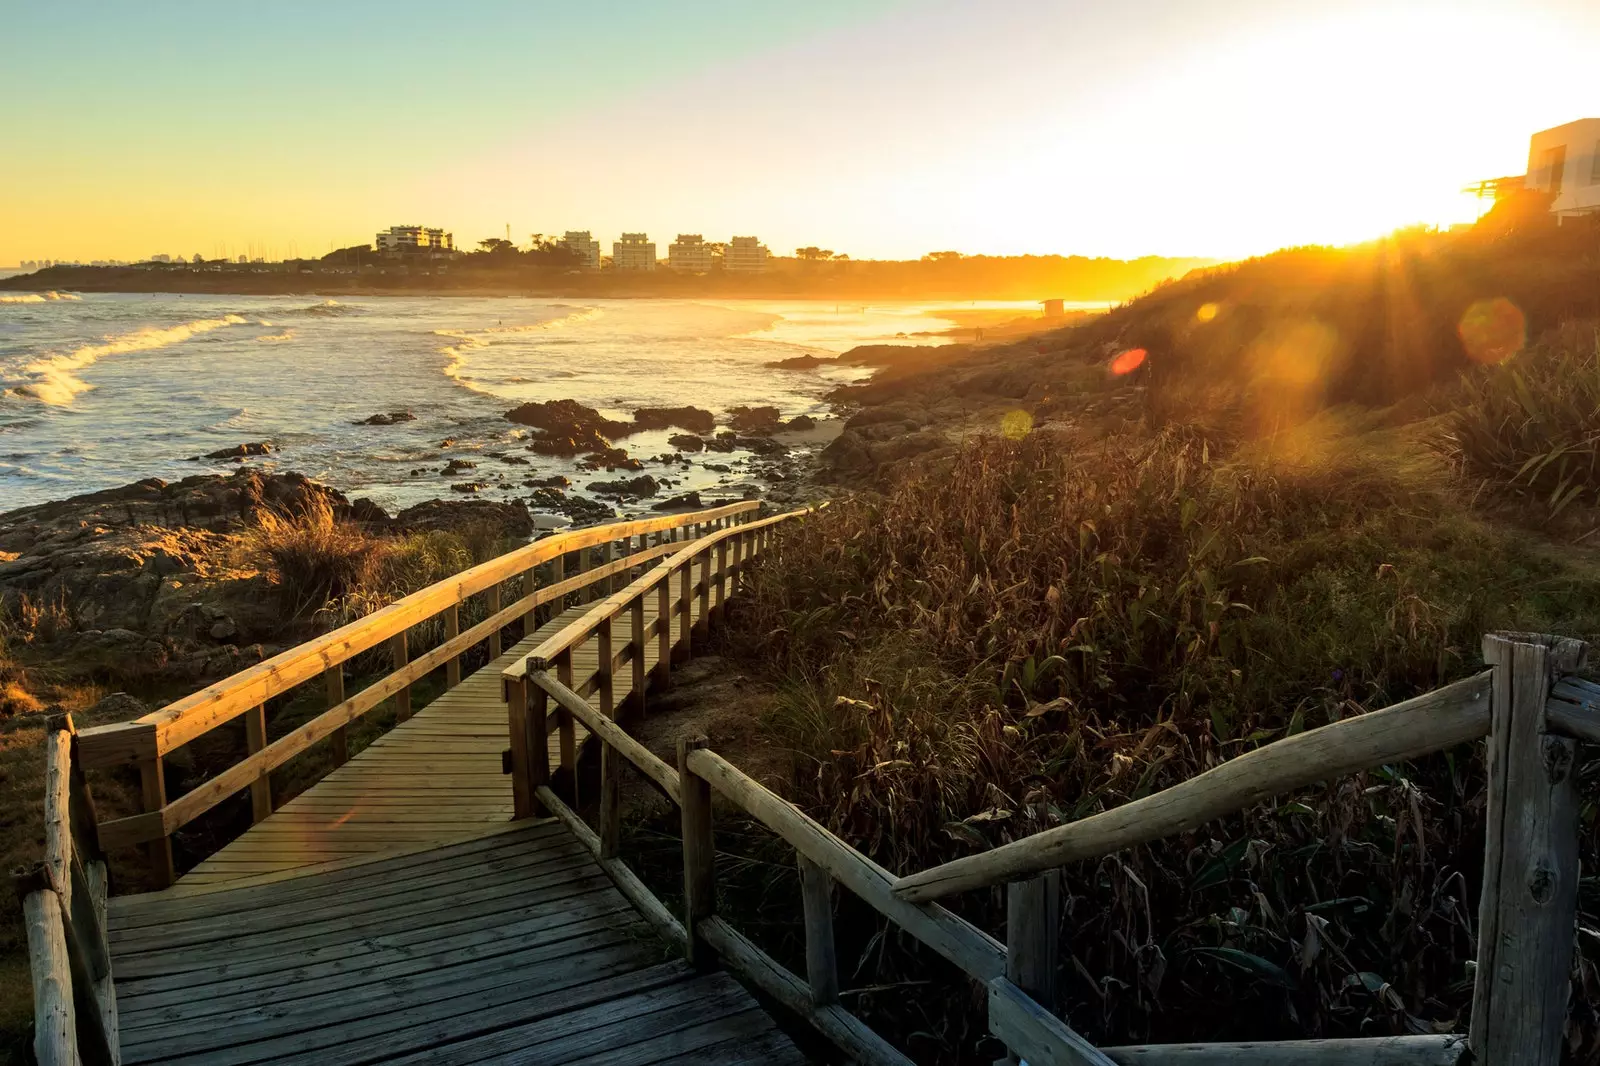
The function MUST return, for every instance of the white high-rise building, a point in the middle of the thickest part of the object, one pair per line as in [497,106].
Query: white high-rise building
[584,248]
[635,251]
[398,240]
[745,255]
[689,254]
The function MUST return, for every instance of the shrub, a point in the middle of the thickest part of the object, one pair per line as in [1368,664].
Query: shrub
[313,556]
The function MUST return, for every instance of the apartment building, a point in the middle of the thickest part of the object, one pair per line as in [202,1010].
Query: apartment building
[690,254]
[584,248]
[745,255]
[635,251]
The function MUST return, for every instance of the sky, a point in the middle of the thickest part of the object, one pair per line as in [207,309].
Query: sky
[878,128]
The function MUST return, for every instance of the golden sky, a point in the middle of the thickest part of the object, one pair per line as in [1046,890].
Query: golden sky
[880,129]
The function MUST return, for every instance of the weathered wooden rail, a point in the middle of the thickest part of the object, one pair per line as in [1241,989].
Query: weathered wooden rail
[537,572]
[1527,706]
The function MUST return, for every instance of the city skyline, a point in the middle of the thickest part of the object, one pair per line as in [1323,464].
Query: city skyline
[886,128]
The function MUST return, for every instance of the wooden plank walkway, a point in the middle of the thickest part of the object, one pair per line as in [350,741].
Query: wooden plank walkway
[433,778]
[512,947]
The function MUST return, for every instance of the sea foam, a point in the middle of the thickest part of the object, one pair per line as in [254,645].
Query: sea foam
[53,379]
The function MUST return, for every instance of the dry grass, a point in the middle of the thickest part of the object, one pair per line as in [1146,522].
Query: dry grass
[1034,631]
[313,556]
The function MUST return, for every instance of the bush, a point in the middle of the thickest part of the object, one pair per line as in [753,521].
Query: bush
[313,556]
[1032,632]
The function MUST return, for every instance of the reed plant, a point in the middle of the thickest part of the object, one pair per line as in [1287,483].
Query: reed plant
[1033,631]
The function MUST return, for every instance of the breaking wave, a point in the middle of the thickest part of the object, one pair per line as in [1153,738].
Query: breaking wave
[275,338]
[325,309]
[466,341]
[38,297]
[53,380]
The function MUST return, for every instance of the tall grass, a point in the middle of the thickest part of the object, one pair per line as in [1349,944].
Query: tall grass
[1531,425]
[313,556]
[1034,631]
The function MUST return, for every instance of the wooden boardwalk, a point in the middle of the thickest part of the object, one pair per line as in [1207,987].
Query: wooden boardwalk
[393,913]
[433,778]
[513,947]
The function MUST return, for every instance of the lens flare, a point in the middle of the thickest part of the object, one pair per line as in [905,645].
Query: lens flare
[1128,361]
[1014,425]
[1492,330]
[1207,312]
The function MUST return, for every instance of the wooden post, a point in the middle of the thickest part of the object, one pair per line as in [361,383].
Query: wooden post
[452,630]
[1528,908]
[522,752]
[530,585]
[538,747]
[705,590]
[255,735]
[55,1040]
[610,761]
[722,580]
[398,659]
[495,644]
[664,633]
[636,641]
[558,574]
[564,726]
[153,784]
[1033,935]
[340,740]
[816,898]
[699,852]
[686,595]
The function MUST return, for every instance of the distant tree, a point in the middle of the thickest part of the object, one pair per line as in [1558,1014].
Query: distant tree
[813,252]
[550,252]
[198,258]
[496,247]
[942,257]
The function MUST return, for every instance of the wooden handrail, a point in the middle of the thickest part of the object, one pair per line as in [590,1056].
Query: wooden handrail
[153,825]
[583,628]
[1440,719]
[179,722]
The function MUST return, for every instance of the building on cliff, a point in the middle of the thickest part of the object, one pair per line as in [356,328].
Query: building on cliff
[690,254]
[1565,161]
[584,248]
[635,251]
[745,255]
[406,240]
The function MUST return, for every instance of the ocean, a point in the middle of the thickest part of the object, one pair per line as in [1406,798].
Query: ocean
[98,390]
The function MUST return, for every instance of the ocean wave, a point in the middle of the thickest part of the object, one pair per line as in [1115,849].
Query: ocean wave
[326,309]
[466,341]
[52,379]
[38,297]
[275,338]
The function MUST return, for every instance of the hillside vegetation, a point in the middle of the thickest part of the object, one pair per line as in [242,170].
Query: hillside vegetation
[1323,476]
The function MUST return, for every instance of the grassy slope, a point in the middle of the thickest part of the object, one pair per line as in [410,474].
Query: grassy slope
[1177,565]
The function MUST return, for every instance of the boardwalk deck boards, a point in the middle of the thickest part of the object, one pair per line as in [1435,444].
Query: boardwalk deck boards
[393,913]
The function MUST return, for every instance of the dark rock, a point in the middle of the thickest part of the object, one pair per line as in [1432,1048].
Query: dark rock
[686,442]
[799,362]
[800,423]
[725,441]
[632,487]
[689,501]
[511,460]
[567,427]
[458,466]
[577,508]
[117,707]
[755,420]
[554,481]
[368,512]
[612,459]
[239,451]
[509,521]
[693,419]
[448,442]
[719,468]
[389,418]
[469,486]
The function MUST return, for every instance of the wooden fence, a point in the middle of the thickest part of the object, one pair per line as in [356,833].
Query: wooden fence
[1527,706]
[64,908]
[537,575]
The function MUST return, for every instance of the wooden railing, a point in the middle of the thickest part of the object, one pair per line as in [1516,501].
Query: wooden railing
[1525,704]
[540,576]
[64,908]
